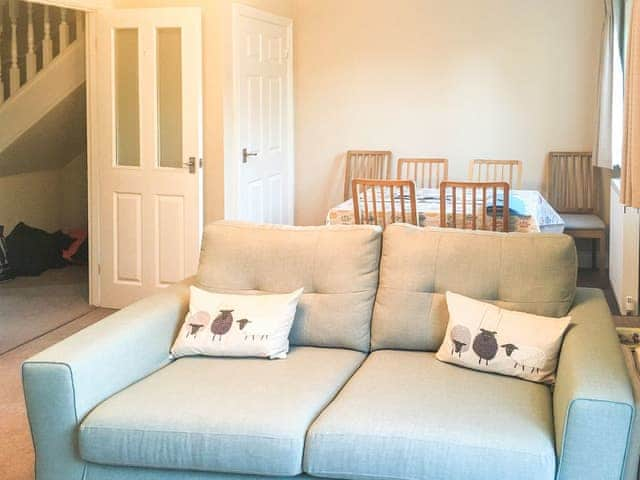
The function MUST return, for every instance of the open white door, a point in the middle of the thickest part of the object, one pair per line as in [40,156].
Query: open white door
[148,78]
[260,173]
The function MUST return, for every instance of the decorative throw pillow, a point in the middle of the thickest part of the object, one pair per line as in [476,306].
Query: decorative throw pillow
[488,338]
[225,325]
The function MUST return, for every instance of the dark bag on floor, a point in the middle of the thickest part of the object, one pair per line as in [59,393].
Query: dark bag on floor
[5,269]
[32,251]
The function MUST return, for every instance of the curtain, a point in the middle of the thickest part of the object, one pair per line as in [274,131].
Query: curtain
[609,102]
[631,157]
[604,110]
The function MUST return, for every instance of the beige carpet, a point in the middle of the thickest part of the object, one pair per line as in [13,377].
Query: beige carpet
[16,450]
[33,306]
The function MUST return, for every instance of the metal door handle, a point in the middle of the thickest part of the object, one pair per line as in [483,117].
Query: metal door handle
[191,164]
[246,154]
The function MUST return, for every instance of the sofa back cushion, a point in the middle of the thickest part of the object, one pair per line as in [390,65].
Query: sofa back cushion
[336,265]
[533,273]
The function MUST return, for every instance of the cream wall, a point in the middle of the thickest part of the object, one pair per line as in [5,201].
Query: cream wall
[32,198]
[217,81]
[48,199]
[73,194]
[463,79]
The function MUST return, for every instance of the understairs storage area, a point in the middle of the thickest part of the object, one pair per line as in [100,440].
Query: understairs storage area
[43,170]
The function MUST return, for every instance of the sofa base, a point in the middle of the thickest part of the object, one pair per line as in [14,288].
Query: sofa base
[105,472]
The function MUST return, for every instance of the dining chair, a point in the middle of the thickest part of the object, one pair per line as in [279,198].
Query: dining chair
[572,190]
[465,194]
[370,198]
[496,171]
[369,164]
[426,172]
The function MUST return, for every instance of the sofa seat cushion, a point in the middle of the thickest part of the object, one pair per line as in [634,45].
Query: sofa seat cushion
[226,415]
[407,416]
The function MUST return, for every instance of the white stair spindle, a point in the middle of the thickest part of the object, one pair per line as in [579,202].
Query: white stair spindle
[1,33]
[79,24]
[63,29]
[31,54]
[47,45]
[14,70]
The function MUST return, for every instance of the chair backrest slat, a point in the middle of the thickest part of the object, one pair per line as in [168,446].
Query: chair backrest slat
[381,192]
[509,171]
[427,172]
[393,204]
[495,211]
[484,210]
[369,164]
[366,206]
[473,207]
[469,194]
[384,209]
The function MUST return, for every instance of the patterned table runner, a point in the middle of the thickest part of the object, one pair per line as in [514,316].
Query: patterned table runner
[529,211]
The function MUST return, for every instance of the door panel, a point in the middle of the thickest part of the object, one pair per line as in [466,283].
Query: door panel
[170,237]
[263,117]
[127,227]
[274,122]
[274,194]
[149,79]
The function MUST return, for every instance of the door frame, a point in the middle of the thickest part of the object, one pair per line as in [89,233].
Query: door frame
[93,170]
[90,7]
[93,181]
[232,159]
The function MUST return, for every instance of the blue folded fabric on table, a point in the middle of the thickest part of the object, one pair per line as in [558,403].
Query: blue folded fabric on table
[516,205]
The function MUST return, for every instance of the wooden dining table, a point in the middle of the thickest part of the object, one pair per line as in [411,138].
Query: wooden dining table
[529,211]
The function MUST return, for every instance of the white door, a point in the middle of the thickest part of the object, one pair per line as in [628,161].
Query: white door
[261,167]
[148,149]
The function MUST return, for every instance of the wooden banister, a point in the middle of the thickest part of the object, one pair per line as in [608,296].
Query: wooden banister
[17,25]
[31,54]
[14,70]
[63,29]
[47,43]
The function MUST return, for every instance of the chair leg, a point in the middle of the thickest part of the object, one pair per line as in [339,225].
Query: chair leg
[594,254]
[603,251]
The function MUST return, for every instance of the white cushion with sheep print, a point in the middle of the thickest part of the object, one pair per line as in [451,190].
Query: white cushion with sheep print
[228,325]
[488,338]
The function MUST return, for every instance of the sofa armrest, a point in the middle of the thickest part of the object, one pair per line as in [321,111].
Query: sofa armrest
[633,457]
[66,381]
[593,400]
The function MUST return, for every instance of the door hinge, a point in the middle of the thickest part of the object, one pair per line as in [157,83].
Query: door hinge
[200,163]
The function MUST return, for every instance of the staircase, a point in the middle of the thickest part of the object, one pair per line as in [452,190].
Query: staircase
[42,76]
